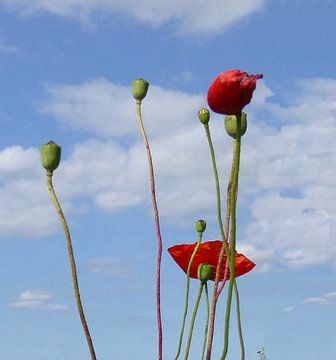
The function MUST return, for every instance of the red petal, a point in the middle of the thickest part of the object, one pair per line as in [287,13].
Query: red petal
[231,91]
[208,253]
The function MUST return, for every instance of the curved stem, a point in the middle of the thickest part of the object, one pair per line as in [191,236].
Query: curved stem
[240,330]
[207,319]
[72,264]
[233,234]
[157,228]
[193,318]
[187,295]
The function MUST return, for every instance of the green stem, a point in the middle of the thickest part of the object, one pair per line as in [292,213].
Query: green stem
[187,295]
[233,234]
[193,318]
[157,228]
[207,319]
[72,264]
[224,249]
[240,330]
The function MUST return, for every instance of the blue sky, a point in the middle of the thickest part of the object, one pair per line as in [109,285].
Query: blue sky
[65,72]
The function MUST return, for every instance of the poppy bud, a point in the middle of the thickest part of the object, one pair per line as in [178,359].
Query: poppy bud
[139,89]
[204,272]
[50,156]
[231,124]
[200,226]
[203,115]
[231,91]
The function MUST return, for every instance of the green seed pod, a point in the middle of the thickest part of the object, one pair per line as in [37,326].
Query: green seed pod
[231,124]
[204,272]
[200,226]
[139,89]
[203,115]
[50,156]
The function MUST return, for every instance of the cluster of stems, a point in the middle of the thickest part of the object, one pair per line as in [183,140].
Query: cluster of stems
[228,250]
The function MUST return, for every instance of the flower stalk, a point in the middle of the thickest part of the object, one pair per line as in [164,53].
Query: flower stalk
[72,264]
[236,161]
[140,88]
[186,304]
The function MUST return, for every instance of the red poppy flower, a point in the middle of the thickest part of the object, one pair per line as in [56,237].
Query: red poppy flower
[231,91]
[208,253]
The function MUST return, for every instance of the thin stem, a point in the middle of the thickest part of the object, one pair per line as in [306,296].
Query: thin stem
[227,223]
[233,234]
[72,264]
[193,318]
[224,249]
[207,319]
[240,330]
[187,295]
[157,228]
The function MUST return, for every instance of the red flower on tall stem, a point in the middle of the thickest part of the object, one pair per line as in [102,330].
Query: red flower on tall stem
[231,91]
[208,253]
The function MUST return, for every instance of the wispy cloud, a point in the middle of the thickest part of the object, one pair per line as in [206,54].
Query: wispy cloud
[288,309]
[216,15]
[109,266]
[36,300]
[325,299]
[6,48]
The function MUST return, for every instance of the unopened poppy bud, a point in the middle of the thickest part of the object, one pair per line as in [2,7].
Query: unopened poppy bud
[50,156]
[139,89]
[200,226]
[231,124]
[204,272]
[203,115]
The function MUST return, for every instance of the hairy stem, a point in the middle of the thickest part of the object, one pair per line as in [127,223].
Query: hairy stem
[157,228]
[72,264]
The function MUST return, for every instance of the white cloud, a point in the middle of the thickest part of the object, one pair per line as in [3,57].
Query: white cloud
[288,309]
[287,169]
[108,109]
[190,16]
[325,299]
[36,300]
[25,204]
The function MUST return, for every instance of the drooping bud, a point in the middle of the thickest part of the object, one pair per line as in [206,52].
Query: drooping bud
[203,115]
[231,124]
[50,156]
[204,272]
[200,226]
[139,89]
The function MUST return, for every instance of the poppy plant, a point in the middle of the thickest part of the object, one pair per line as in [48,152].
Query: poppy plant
[208,253]
[231,91]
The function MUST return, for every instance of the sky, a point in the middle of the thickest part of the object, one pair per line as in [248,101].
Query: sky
[66,68]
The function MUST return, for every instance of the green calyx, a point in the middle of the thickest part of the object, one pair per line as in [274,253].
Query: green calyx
[200,226]
[231,124]
[139,89]
[204,272]
[50,156]
[203,115]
